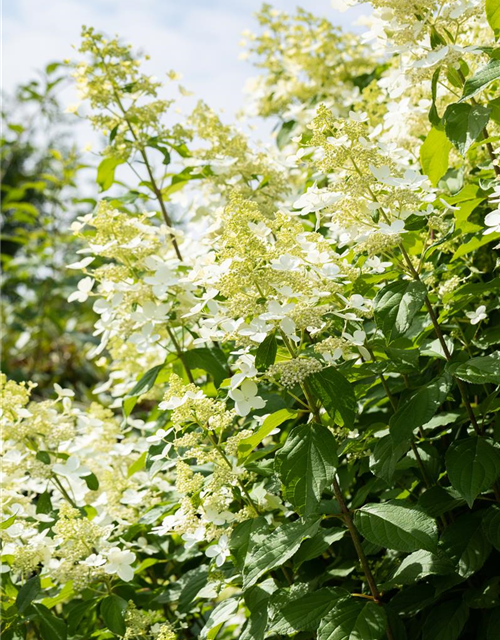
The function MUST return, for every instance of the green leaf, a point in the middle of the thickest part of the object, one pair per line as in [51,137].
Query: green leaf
[266,353]
[466,544]
[434,154]
[396,305]
[313,547]
[336,393]
[419,409]
[464,123]
[91,481]
[473,244]
[493,625]
[385,457]
[51,627]
[106,172]
[245,536]
[491,525]
[6,523]
[138,465]
[306,612]
[27,593]
[43,456]
[306,465]
[473,465]
[247,445]
[396,525]
[143,386]
[420,564]
[212,361]
[113,613]
[438,500]
[273,550]
[493,15]
[223,612]
[434,117]
[355,619]
[44,504]
[446,621]
[480,370]
[285,133]
[192,583]
[481,79]
[77,613]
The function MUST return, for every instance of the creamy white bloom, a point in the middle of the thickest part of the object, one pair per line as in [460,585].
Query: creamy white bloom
[63,393]
[479,314]
[84,288]
[492,221]
[246,398]
[396,226]
[94,560]
[71,469]
[219,551]
[193,538]
[246,364]
[119,562]
[175,401]
[158,436]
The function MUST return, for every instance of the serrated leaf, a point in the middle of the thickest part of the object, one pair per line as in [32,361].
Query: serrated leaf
[438,500]
[396,305]
[480,370]
[247,445]
[419,409]
[353,620]
[420,564]
[245,536]
[192,583]
[306,612]
[385,457]
[306,465]
[473,465]
[446,621]
[434,154]
[491,525]
[473,244]
[113,613]
[465,543]
[220,614]
[276,548]
[464,123]
[211,360]
[396,525]
[27,593]
[266,352]
[51,626]
[481,79]
[336,393]
[313,547]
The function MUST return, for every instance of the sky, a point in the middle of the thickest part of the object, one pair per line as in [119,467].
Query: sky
[198,38]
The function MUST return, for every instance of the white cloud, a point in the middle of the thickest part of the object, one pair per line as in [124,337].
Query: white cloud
[198,38]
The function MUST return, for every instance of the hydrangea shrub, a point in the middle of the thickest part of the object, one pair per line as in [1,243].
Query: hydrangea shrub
[296,433]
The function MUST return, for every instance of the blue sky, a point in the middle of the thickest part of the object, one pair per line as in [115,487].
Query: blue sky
[199,38]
